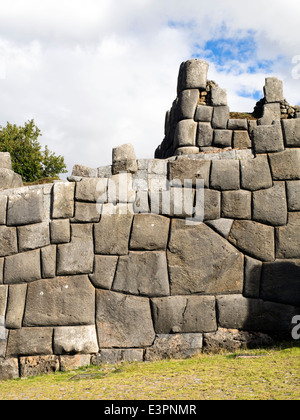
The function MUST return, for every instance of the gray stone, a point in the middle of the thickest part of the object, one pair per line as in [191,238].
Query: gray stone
[15,306]
[255,173]
[105,171]
[291,132]
[149,232]
[9,179]
[288,238]
[254,239]
[218,96]
[269,206]
[3,205]
[141,204]
[120,189]
[237,124]
[63,301]
[204,113]
[114,356]
[241,140]
[267,138]
[25,208]
[38,365]
[236,204]
[84,171]
[220,117]
[212,205]
[69,363]
[124,159]
[193,75]
[188,101]
[22,268]
[60,231]
[174,346]
[77,257]
[182,151]
[185,169]
[217,267]
[63,200]
[225,175]
[30,341]
[33,236]
[185,134]
[184,314]
[253,270]
[271,113]
[273,90]
[143,274]
[293,195]
[9,369]
[123,321]
[104,271]
[5,161]
[221,226]
[72,340]
[223,138]
[285,165]
[92,190]
[8,242]
[157,167]
[48,258]
[87,213]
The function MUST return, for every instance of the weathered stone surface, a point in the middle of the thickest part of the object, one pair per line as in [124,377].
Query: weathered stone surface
[288,238]
[104,271]
[281,282]
[48,259]
[105,171]
[285,165]
[92,190]
[87,213]
[9,369]
[116,244]
[69,363]
[33,236]
[188,101]
[269,206]
[25,208]
[291,132]
[241,313]
[174,346]
[77,257]
[141,204]
[217,266]
[255,173]
[5,161]
[120,320]
[3,204]
[72,340]
[38,365]
[237,124]
[184,172]
[236,204]
[212,204]
[60,231]
[113,356]
[22,268]
[225,175]
[143,274]
[63,200]
[254,239]
[271,113]
[185,134]
[8,242]
[63,301]
[30,342]
[15,306]
[184,314]
[120,189]
[176,202]
[9,179]
[218,96]
[241,140]
[222,138]
[3,330]
[221,226]
[273,90]
[204,113]
[293,195]
[124,159]
[193,75]
[220,117]
[253,270]
[84,171]
[189,150]
[268,138]
[150,232]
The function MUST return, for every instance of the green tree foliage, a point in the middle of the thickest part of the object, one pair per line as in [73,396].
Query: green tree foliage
[28,159]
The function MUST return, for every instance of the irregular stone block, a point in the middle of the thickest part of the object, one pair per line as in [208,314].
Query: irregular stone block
[141,204]
[15,306]
[204,113]
[184,314]
[255,173]
[253,270]
[114,356]
[271,113]
[236,204]
[9,179]
[220,117]
[92,190]
[72,340]
[3,205]
[33,236]
[25,208]
[273,90]
[217,268]
[281,282]
[38,365]
[193,75]
[63,200]
[241,140]
[254,239]
[143,274]
[221,226]
[105,171]
[237,124]
[218,96]
[291,132]
[120,189]
[104,271]
[8,242]
[185,134]
[157,167]
[124,159]
[212,205]
[63,301]
[87,212]
[48,256]
[268,138]
[269,206]
[123,321]
[188,100]
[69,363]
[222,138]
[184,172]
[225,175]
[285,165]
[182,151]
[293,195]
[77,257]
[9,369]
[84,171]
[22,268]
[288,238]
[60,231]
[5,161]
[150,232]
[174,346]
[33,341]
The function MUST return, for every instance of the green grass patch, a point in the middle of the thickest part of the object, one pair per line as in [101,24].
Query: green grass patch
[241,116]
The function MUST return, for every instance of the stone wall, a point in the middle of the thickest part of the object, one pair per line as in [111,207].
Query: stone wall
[148,259]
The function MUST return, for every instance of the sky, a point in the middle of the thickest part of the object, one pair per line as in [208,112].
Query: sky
[95,74]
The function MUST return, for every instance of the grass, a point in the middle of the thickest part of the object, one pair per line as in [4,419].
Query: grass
[242,115]
[48,180]
[272,374]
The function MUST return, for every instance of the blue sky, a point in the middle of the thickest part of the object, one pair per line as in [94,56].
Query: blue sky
[96,74]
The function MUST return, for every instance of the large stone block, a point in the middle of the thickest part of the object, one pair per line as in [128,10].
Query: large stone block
[220,117]
[256,173]
[22,268]
[241,140]
[293,195]
[120,189]
[291,132]
[285,165]
[174,346]
[254,239]
[70,363]
[60,231]
[205,134]
[237,124]
[123,321]
[8,242]
[104,271]
[218,96]
[9,179]
[268,138]
[92,190]
[48,260]
[202,262]
[188,100]
[75,340]
[124,159]
[184,314]
[149,232]
[225,175]
[63,301]
[273,90]
[281,282]
[25,208]
[30,341]
[185,134]
[63,200]
[9,369]
[252,281]
[184,172]
[271,113]
[33,236]
[87,213]
[193,75]
[236,204]
[288,238]
[270,206]
[143,273]
[204,113]
[222,138]
[15,306]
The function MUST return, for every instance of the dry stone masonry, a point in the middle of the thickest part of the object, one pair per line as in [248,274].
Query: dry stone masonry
[196,250]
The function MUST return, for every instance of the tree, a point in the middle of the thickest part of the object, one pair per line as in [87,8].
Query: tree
[27,158]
